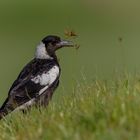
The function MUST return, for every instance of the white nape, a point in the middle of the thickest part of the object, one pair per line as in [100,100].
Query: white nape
[41,52]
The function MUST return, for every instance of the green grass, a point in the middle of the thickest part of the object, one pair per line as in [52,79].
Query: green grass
[101,110]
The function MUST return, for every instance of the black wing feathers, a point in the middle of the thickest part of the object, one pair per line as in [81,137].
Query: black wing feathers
[32,69]
[23,89]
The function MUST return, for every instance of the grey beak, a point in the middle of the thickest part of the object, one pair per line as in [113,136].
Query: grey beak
[65,43]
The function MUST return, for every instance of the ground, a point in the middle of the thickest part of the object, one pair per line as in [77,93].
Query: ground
[101,110]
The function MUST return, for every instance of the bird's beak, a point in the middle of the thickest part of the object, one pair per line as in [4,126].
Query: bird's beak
[65,43]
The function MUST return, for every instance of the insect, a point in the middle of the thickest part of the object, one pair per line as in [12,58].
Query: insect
[70,33]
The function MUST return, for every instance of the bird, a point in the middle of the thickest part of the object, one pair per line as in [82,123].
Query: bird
[38,80]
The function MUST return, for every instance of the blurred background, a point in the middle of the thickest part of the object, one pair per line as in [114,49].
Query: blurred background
[108,34]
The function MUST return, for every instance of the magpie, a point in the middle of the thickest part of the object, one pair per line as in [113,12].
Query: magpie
[38,79]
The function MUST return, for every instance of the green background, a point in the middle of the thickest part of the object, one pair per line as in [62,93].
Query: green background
[99,25]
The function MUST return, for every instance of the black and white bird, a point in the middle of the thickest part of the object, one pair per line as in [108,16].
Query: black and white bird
[38,79]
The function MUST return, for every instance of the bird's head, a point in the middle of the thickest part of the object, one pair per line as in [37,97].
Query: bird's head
[46,49]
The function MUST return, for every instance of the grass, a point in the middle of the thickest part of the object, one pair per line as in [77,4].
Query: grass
[102,110]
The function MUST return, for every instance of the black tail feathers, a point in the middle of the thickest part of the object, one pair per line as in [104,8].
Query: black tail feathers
[3,113]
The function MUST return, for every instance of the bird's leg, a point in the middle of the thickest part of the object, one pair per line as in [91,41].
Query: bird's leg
[44,98]
[47,95]
[47,98]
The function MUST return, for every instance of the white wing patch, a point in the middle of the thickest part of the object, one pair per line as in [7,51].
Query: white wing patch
[48,78]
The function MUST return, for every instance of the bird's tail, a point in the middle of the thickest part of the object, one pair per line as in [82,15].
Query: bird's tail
[5,109]
[3,113]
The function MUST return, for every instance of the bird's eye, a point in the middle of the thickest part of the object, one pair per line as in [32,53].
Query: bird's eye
[54,42]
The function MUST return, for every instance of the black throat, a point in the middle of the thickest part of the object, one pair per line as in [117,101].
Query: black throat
[55,58]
